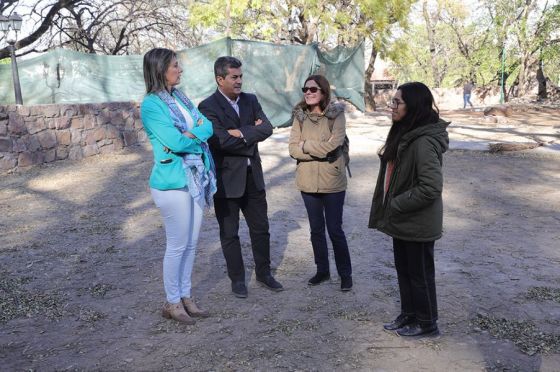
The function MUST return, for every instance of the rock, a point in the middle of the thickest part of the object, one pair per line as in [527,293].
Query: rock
[490,119]
[16,125]
[89,121]
[61,152]
[50,155]
[47,139]
[99,134]
[63,137]
[130,138]
[90,150]
[112,132]
[23,110]
[35,124]
[50,111]
[8,162]
[75,153]
[77,123]
[76,136]
[5,145]
[20,145]
[62,122]
[502,147]
[26,159]
[90,137]
[500,110]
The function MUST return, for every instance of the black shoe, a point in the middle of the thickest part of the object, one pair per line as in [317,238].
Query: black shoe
[400,322]
[239,289]
[319,278]
[270,283]
[416,329]
[345,283]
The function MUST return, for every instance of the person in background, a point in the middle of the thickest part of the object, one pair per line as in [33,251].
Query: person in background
[316,139]
[467,92]
[239,125]
[183,179]
[407,204]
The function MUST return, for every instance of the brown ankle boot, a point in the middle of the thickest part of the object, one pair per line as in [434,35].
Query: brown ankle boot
[192,309]
[177,312]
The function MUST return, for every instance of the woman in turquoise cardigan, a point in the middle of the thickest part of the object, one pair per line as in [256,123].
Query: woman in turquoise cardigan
[183,176]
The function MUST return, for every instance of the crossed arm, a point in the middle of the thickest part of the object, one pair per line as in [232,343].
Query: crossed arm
[309,149]
[240,141]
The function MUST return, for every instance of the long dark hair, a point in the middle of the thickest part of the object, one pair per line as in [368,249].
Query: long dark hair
[420,110]
[325,86]
[156,63]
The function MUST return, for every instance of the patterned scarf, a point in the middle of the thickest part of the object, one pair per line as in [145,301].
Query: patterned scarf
[202,185]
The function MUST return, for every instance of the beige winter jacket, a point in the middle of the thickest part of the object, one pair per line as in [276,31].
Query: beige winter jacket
[314,173]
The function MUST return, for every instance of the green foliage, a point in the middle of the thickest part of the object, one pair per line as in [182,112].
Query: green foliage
[470,45]
[550,52]
[248,19]
[468,37]
[334,22]
[5,61]
[380,17]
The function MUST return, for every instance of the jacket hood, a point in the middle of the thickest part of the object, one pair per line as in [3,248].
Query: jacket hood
[437,132]
[332,111]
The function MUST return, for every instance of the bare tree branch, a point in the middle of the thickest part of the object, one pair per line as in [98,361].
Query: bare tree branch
[44,26]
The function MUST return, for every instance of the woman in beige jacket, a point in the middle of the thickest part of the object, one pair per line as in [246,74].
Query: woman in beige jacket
[316,139]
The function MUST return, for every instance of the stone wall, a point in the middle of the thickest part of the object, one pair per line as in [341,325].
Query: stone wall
[32,135]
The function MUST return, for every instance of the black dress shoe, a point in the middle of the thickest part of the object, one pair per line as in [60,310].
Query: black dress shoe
[239,289]
[270,283]
[400,322]
[416,329]
[345,283]
[319,278]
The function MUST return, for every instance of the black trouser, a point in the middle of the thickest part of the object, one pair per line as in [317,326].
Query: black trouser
[414,262]
[328,208]
[254,207]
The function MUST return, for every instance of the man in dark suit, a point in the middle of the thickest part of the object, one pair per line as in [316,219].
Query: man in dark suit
[239,125]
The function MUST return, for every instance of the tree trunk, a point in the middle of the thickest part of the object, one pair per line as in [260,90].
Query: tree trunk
[527,75]
[430,28]
[310,31]
[542,82]
[228,18]
[369,101]
[528,68]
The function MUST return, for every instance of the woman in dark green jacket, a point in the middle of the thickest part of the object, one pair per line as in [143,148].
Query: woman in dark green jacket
[407,203]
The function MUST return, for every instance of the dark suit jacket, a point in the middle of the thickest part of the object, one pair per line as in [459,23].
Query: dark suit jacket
[231,153]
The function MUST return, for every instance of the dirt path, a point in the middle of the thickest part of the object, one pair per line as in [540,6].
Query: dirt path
[81,249]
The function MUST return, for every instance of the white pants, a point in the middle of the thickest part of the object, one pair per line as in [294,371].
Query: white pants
[182,218]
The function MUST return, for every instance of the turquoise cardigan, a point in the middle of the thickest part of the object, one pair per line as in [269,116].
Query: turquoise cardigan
[159,127]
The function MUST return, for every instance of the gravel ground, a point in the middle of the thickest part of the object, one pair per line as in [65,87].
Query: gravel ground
[81,248]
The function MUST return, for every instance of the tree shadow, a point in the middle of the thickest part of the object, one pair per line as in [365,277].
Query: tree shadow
[88,236]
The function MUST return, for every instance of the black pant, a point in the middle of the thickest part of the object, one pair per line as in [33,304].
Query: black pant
[254,207]
[414,262]
[328,208]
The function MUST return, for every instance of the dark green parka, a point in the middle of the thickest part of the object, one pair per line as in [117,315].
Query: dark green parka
[413,207]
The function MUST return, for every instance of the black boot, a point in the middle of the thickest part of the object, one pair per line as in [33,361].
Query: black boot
[319,278]
[399,322]
[417,329]
[345,283]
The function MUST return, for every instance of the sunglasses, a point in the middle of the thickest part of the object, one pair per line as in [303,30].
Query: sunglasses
[311,89]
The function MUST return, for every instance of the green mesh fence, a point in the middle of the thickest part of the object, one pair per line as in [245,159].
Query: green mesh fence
[274,72]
